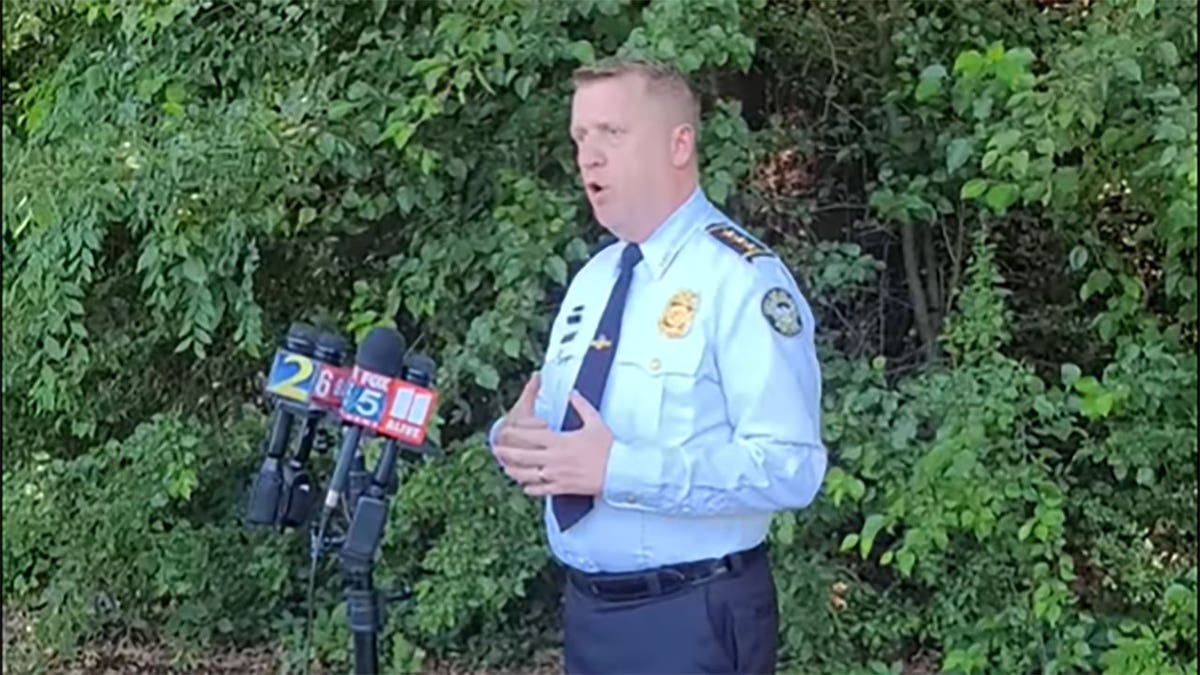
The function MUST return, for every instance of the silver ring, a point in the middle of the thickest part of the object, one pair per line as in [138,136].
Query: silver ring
[542,474]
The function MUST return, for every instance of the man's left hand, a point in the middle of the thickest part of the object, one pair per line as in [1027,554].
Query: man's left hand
[560,463]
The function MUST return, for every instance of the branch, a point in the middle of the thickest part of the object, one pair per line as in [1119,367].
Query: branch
[955,251]
[933,271]
[916,292]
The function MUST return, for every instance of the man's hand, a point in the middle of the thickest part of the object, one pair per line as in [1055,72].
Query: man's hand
[520,416]
[549,463]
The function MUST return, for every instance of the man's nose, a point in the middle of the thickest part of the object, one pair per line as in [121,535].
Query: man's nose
[590,157]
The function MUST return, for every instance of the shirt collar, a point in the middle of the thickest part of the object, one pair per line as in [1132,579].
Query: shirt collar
[660,249]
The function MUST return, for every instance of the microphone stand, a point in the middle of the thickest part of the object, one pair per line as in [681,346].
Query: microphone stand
[364,609]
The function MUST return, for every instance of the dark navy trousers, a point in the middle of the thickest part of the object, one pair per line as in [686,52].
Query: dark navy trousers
[727,624]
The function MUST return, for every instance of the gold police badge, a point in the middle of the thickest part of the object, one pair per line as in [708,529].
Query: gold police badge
[676,319]
[780,309]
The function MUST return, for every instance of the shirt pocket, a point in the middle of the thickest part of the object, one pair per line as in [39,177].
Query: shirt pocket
[654,386]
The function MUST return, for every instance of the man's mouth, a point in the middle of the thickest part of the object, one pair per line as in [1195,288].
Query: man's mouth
[593,188]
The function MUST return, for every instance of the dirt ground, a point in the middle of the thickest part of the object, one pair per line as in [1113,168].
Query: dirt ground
[130,659]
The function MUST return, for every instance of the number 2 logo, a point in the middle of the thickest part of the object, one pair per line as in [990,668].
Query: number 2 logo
[288,387]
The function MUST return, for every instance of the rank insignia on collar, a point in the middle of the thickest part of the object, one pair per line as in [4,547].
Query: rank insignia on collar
[781,312]
[743,243]
[601,343]
[676,318]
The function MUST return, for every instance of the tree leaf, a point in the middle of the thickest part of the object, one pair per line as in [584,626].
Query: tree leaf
[193,271]
[1069,372]
[556,268]
[1129,69]
[957,153]
[1004,140]
[175,93]
[512,348]
[973,188]
[1001,196]
[504,42]
[1097,406]
[582,51]
[1078,257]
[1144,7]
[1019,161]
[1099,280]
[487,377]
[927,89]
[969,62]
[524,84]
[934,72]
[870,529]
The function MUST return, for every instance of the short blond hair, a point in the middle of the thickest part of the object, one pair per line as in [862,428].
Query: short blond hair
[662,79]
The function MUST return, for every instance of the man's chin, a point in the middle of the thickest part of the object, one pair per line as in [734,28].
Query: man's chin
[606,218]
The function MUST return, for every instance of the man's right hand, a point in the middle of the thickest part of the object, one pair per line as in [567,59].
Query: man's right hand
[522,415]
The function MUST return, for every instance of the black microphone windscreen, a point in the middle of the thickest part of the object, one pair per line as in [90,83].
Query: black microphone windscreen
[300,338]
[419,368]
[382,352]
[331,347]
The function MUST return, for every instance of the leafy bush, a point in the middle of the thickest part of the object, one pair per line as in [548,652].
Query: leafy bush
[141,536]
[991,207]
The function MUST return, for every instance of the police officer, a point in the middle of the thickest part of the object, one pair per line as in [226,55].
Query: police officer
[677,407]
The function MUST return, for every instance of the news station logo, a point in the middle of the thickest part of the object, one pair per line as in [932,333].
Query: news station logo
[304,380]
[409,410]
[366,395]
[332,382]
[292,376]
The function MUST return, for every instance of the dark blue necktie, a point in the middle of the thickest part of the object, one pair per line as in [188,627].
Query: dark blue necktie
[593,375]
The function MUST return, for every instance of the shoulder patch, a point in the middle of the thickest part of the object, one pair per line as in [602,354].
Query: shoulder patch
[742,243]
[781,312]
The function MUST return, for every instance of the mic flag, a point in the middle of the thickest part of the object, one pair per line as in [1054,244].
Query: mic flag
[330,387]
[409,409]
[301,381]
[292,376]
[390,407]
[365,397]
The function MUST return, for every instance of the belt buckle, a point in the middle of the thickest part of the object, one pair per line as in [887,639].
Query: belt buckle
[618,590]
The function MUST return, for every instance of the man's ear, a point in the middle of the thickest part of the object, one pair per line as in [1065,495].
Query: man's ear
[683,145]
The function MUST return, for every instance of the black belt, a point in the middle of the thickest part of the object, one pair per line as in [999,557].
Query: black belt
[625,586]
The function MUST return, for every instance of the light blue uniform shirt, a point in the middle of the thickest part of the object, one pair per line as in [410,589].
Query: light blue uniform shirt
[714,405]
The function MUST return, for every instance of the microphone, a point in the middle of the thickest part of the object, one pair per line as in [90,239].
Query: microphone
[410,405]
[332,378]
[287,383]
[380,358]
[297,484]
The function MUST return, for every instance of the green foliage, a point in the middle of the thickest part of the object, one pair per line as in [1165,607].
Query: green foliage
[182,179]
[140,535]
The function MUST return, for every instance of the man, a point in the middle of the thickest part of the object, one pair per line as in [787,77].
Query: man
[678,405]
